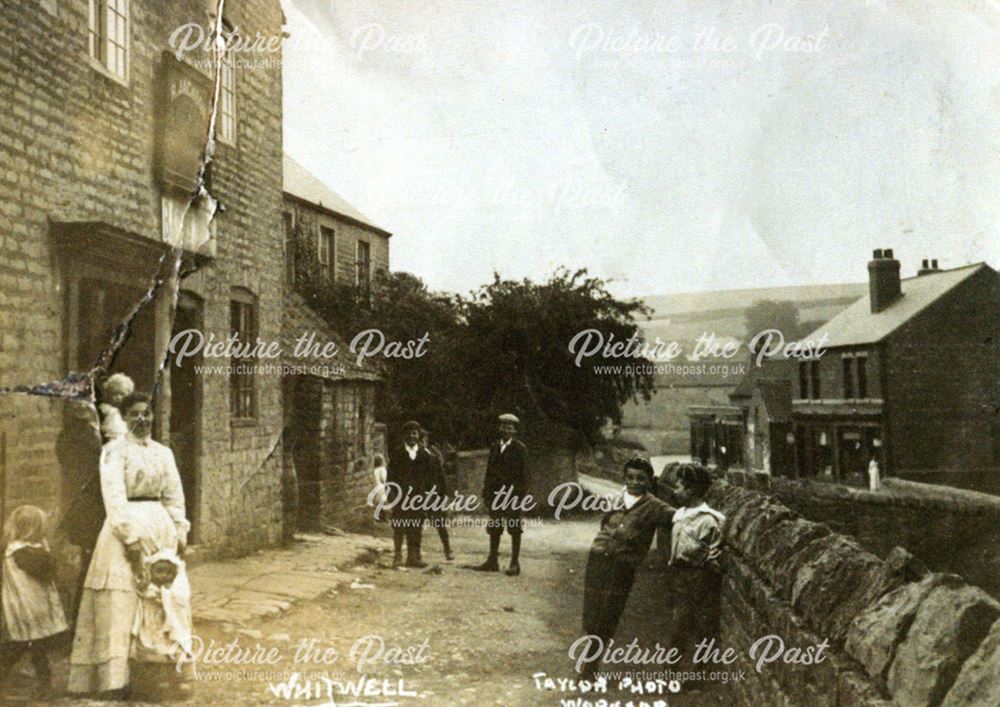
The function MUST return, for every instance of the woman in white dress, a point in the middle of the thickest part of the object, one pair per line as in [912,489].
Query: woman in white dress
[144,501]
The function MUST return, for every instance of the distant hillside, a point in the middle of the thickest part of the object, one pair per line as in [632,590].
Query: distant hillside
[662,424]
[686,316]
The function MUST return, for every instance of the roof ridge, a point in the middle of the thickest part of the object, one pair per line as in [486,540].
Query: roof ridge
[858,325]
[688,293]
[301,182]
[944,270]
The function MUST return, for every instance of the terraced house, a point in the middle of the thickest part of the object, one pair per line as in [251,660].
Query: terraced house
[101,140]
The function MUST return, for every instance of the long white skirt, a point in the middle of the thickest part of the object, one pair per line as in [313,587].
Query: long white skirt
[102,640]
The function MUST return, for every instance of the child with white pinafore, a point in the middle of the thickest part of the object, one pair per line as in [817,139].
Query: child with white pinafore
[113,391]
[161,634]
[162,631]
[32,611]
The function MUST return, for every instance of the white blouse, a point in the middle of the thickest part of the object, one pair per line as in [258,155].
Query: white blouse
[134,468]
[696,536]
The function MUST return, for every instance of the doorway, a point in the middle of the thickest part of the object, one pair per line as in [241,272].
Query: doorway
[305,427]
[185,410]
[101,306]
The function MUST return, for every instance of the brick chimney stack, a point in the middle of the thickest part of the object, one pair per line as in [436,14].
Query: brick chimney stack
[883,280]
[927,267]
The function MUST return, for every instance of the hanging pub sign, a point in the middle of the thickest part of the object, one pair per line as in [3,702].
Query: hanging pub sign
[186,100]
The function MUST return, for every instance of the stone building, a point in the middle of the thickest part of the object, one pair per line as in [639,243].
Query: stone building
[329,400]
[769,444]
[101,141]
[717,434]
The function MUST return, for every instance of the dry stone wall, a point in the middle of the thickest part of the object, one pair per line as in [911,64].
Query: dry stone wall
[898,633]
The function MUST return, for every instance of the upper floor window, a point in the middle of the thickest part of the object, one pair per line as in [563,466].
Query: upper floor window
[816,392]
[364,266]
[325,250]
[108,35]
[227,91]
[855,367]
[804,380]
[243,323]
[862,369]
[289,224]
[848,365]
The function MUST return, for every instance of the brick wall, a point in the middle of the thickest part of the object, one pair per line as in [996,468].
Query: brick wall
[896,631]
[78,146]
[943,369]
[355,445]
[831,374]
[335,450]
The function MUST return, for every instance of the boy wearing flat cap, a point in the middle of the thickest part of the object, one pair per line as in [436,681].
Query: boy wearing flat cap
[507,468]
[412,468]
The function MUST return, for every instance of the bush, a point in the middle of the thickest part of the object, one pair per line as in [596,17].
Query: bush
[627,443]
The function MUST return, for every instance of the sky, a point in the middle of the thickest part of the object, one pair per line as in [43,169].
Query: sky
[669,146]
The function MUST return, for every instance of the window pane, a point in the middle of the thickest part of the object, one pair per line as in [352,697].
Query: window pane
[862,376]
[109,23]
[326,250]
[227,107]
[241,378]
[848,365]
[96,23]
[364,265]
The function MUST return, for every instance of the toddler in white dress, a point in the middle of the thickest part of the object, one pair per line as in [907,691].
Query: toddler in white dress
[32,611]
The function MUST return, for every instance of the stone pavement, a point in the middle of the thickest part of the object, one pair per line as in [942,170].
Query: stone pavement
[240,591]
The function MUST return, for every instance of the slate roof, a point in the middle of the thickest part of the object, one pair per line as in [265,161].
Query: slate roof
[302,184]
[857,325]
[744,390]
[299,319]
[777,397]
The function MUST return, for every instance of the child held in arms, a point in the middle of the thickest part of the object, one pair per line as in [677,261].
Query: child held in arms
[695,550]
[620,546]
[115,389]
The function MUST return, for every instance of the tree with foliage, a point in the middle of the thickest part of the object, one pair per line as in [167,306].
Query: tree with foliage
[517,355]
[403,309]
[782,315]
[505,347]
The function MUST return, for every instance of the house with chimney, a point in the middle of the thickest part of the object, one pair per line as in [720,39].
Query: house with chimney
[334,251]
[690,410]
[909,376]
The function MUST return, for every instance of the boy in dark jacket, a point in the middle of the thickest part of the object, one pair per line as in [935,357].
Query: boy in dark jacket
[619,547]
[412,469]
[506,470]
